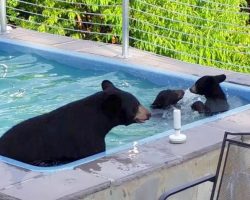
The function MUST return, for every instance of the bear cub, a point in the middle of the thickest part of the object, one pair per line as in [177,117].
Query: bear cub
[167,98]
[216,100]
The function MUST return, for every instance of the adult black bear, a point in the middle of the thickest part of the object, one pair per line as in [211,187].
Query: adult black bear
[216,100]
[167,98]
[73,131]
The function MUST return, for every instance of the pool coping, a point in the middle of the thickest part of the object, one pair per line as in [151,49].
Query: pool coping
[115,169]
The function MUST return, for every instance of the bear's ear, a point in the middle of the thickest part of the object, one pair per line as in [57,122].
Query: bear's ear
[220,78]
[107,84]
[112,105]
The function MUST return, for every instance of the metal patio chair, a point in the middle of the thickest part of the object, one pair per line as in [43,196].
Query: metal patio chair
[232,178]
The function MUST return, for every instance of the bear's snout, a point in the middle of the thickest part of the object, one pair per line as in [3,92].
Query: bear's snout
[180,94]
[142,114]
[193,89]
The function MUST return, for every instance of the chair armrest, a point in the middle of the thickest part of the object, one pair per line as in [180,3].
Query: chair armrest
[171,192]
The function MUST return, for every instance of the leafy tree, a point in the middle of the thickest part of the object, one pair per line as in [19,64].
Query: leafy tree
[76,18]
[197,31]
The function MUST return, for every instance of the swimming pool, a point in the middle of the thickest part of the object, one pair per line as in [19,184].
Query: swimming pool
[28,89]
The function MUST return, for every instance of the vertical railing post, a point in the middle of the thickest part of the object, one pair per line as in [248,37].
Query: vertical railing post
[3,17]
[125,28]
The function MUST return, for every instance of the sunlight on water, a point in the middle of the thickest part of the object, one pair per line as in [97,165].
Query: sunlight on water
[32,86]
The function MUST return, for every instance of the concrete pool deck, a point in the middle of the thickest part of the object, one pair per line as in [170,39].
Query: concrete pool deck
[127,174]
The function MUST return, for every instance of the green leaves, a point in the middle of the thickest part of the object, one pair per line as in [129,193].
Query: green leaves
[208,33]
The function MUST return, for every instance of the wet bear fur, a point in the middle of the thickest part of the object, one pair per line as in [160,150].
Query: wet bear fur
[73,131]
[167,98]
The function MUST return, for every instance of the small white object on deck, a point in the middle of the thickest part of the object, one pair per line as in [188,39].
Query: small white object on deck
[177,137]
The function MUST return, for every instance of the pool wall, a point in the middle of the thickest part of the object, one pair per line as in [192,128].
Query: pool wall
[154,167]
[153,184]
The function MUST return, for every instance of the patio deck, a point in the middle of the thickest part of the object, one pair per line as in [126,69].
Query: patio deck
[121,176]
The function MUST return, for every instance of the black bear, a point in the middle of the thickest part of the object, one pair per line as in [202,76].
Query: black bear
[216,100]
[167,98]
[73,131]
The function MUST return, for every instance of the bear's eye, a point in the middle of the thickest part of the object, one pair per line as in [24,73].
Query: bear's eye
[134,110]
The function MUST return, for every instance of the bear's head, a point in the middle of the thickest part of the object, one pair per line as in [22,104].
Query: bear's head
[209,86]
[167,97]
[122,106]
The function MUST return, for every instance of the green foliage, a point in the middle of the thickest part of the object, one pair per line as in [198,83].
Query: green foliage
[75,18]
[196,31]
[205,33]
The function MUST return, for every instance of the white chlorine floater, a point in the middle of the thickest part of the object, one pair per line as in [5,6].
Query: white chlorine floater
[177,137]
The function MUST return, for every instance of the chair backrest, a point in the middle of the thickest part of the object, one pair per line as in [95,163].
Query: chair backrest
[233,171]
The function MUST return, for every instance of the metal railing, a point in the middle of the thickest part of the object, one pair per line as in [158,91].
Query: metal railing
[125,28]
[3,16]
[149,26]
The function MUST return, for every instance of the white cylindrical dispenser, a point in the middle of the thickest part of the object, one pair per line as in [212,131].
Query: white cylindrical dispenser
[177,137]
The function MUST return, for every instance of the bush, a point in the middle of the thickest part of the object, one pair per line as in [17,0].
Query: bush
[195,31]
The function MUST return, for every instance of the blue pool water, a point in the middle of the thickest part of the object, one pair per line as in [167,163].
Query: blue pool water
[34,85]
[38,80]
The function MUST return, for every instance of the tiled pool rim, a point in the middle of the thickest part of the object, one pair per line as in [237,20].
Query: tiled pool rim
[237,123]
[56,54]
